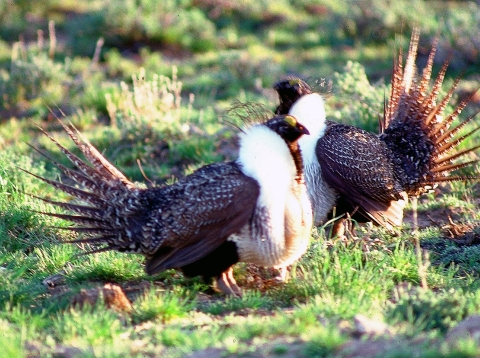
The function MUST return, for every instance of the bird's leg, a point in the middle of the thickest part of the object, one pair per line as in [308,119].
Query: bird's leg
[338,228]
[343,229]
[232,282]
[349,226]
[227,284]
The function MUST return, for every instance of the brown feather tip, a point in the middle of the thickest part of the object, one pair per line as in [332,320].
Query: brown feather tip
[93,155]
[414,116]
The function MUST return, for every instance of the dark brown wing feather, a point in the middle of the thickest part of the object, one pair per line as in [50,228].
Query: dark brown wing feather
[356,164]
[197,214]
[172,225]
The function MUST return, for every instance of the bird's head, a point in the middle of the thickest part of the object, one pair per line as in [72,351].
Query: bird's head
[297,99]
[287,127]
[289,90]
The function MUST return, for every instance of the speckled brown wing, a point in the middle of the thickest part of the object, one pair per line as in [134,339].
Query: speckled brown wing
[170,225]
[197,214]
[356,164]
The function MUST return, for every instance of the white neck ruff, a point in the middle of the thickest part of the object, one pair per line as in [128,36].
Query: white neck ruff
[309,110]
[265,156]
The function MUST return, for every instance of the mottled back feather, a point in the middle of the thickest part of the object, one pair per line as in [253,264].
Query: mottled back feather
[198,212]
[358,166]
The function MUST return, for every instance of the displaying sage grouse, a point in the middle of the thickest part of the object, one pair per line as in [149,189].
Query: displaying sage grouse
[255,209]
[373,175]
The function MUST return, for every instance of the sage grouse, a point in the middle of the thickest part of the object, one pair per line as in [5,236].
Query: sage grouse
[373,175]
[255,209]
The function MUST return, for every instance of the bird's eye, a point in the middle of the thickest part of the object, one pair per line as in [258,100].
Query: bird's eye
[291,120]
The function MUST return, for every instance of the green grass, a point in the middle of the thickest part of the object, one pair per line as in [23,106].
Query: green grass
[158,94]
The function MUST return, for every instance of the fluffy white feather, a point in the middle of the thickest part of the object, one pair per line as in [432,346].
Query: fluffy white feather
[310,111]
[283,214]
[265,156]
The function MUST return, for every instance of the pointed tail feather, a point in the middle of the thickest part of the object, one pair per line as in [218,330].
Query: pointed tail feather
[107,243]
[77,193]
[427,71]
[95,251]
[94,156]
[421,140]
[85,230]
[410,68]
[97,173]
[431,99]
[451,179]
[446,169]
[78,177]
[87,211]
[99,240]
[437,112]
[77,219]
[450,133]
[401,84]
[447,147]
[113,208]
[395,90]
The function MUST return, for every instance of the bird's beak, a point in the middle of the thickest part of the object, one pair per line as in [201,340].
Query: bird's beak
[302,129]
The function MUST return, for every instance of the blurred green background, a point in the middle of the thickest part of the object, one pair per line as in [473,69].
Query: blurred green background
[194,59]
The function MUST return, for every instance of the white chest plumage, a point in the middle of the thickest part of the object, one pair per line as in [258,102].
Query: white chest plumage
[280,229]
[321,195]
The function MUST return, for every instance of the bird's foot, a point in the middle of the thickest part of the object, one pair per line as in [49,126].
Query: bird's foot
[226,283]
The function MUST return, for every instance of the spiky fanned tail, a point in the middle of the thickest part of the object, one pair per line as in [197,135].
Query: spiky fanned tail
[414,127]
[109,197]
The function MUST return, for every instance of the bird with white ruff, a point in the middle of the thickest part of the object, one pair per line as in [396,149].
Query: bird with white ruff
[254,209]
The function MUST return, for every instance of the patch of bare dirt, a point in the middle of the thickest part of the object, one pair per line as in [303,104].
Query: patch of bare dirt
[447,218]
[259,278]
[462,233]
[208,353]
[117,297]
[434,217]
[36,350]
[370,348]
[111,295]
[468,328]
[279,347]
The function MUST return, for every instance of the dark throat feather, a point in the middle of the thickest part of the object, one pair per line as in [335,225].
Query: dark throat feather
[297,159]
